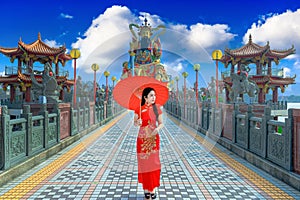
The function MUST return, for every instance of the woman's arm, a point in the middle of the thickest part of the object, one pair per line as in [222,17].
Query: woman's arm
[136,120]
[160,125]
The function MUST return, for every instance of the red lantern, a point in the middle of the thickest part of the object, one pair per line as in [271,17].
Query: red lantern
[50,73]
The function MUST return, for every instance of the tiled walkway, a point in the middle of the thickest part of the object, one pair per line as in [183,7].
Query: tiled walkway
[103,166]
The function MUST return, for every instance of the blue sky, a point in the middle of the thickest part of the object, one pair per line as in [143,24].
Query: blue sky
[194,30]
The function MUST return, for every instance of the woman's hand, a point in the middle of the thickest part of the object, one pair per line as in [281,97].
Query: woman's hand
[138,122]
[154,132]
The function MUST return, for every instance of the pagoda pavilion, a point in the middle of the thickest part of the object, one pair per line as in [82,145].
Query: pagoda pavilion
[262,57]
[27,55]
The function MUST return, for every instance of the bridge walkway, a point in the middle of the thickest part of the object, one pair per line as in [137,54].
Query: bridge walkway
[103,165]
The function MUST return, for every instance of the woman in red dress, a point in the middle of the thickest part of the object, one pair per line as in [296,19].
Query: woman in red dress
[149,118]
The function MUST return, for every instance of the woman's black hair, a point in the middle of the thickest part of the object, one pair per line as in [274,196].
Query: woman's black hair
[145,93]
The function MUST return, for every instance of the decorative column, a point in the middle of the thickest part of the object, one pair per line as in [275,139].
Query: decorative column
[217,55]
[106,74]
[184,74]
[75,54]
[177,97]
[95,68]
[196,68]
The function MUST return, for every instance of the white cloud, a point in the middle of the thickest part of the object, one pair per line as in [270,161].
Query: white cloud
[209,36]
[52,43]
[174,68]
[286,72]
[282,31]
[66,16]
[108,38]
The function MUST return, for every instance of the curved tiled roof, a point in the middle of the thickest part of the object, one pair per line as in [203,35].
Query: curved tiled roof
[36,48]
[281,53]
[40,48]
[8,51]
[251,50]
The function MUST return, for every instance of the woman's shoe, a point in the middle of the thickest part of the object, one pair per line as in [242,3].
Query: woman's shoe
[153,195]
[147,195]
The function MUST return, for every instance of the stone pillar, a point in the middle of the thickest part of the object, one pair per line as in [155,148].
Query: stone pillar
[65,120]
[227,120]
[105,110]
[56,109]
[296,140]
[28,116]
[44,112]
[5,154]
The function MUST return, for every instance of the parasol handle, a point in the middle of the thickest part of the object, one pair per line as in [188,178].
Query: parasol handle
[140,116]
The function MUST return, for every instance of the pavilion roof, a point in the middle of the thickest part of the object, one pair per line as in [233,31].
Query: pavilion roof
[37,49]
[252,52]
[249,50]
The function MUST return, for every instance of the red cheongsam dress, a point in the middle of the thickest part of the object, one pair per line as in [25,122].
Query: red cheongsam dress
[149,165]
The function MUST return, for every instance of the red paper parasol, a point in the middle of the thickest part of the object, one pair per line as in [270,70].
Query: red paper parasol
[128,92]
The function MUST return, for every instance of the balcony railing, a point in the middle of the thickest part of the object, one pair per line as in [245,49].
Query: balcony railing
[275,72]
[13,70]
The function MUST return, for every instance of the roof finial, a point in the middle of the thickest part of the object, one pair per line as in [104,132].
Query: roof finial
[146,22]
[250,39]
[39,36]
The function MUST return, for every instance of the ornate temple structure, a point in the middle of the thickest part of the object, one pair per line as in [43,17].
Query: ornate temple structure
[145,53]
[265,77]
[22,77]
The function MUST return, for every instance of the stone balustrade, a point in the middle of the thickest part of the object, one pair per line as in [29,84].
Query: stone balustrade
[250,131]
[42,127]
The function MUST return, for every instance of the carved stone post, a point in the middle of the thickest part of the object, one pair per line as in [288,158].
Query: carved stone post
[234,114]
[28,116]
[295,125]
[267,116]
[6,141]
[44,112]
[249,114]
[57,111]
[73,129]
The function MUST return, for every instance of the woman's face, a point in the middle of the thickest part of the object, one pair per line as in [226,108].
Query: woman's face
[150,99]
